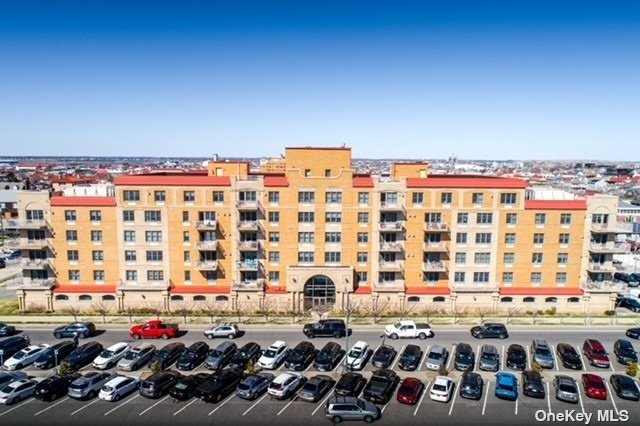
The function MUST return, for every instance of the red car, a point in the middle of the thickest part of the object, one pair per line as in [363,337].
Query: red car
[155,329]
[594,386]
[410,391]
[596,353]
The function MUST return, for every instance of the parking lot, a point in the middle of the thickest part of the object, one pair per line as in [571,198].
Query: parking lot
[264,410]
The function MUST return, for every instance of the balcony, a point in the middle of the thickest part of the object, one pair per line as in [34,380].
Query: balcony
[610,247]
[248,225]
[206,225]
[34,284]
[435,246]
[605,286]
[252,285]
[392,246]
[390,226]
[603,268]
[438,266]
[248,245]
[612,228]
[38,264]
[391,206]
[33,244]
[207,245]
[393,266]
[248,265]
[207,265]
[475,288]
[144,285]
[248,205]
[436,227]
[26,224]
[389,286]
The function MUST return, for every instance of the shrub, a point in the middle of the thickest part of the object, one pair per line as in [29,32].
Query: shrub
[443,371]
[64,368]
[609,312]
[550,312]
[536,367]
[632,369]
[156,367]
[35,308]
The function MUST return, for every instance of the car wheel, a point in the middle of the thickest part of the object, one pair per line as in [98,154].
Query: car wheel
[311,335]
[136,337]
[336,335]
[422,336]
[209,336]
[93,394]
[394,336]
[18,366]
[231,336]
[368,419]
[116,397]
[82,335]
[16,400]
[336,419]
[57,335]
[217,398]
[503,336]
[165,336]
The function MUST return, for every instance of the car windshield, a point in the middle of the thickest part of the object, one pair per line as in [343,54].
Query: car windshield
[435,355]
[215,354]
[242,355]
[355,353]
[565,387]
[190,354]
[270,353]
[409,356]
[599,351]
[626,346]
[244,386]
[543,352]
[405,389]
[596,384]
[297,355]
[106,354]
[82,385]
[360,404]
[19,355]
[324,356]
[7,389]
[489,356]
[310,387]
[107,388]
[438,387]
[182,385]
[131,355]
[506,386]
[163,354]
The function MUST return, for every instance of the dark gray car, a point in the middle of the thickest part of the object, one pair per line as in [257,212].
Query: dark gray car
[220,355]
[489,358]
[254,385]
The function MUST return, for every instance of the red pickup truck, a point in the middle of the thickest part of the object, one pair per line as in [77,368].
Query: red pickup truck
[154,330]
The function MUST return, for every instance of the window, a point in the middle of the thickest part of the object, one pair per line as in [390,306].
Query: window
[306,237]
[273,196]
[327,172]
[332,257]
[601,219]
[128,215]
[433,217]
[186,256]
[461,238]
[480,277]
[536,258]
[483,238]
[333,217]
[446,197]
[362,277]
[565,219]
[153,236]
[459,277]
[389,198]
[222,298]
[332,237]
[108,298]
[512,218]
[387,277]
[154,255]
[129,236]
[536,277]
[363,198]
[363,217]
[159,196]
[74,275]
[363,257]
[561,277]
[62,297]
[482,258]
[131,275]
[538,239]
[95,215]
[97,255]
[507,277]
[563,239]
[363,237]
[463,218]
[156,216]
[218,196]
[417,198]
[199,298]
[506,299]
[155,275]
[177,298]
[186,236]
[305,256]
[573,300]
[306,217]
[439,299]
[185,216]
[477,198]
[70,215]
[274,237]
[508,198]
[72,255]
[413,299]
[189,196]
[484,218]
[130,255]
[461,258]
[98,275]
[529,300]
[72,235]
[333,197]
[307,172]
[84,298]
[509,258]
[431,277]
[541,218]
[563,258]
[274,276]
[96,236]
[274,217]
[510,238]
[131,196]
[306,197]
[274,256]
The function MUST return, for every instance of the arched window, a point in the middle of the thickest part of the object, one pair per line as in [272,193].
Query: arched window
[551,300]
[85,298]
[506,299]
[573,300]
[199,298]
[529,300]
[222,299]
[177,298]
[62,297]
[438,299]
[413,299]
[108,298]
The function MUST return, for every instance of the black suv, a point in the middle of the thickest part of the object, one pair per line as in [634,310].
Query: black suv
[80,329]
[326,328]
[471,385]
[328,357]
[83,355]
[193,356]
[532,384]
[410,358]
[626,278]
[464,359]
[489,330]
[629,303]
[185,388]
[381,386]
[250,352]
[54,387]
[52,356]
[516,357]
[218,385]
[158,384]
[569,356]
[301,356]
[167,355]
[624,351]
[350,384]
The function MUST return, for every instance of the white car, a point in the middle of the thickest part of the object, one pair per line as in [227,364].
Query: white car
[116,388]
[357,356]
[285,385]
[26,356]
[110,356]
[17,391]
[274,355]
[442,389]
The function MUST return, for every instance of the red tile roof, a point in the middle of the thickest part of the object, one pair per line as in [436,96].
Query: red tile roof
[427,290]
[541,291]
[275,290]
[172,180]
[276,181]
[362,182]
[85,288]
[555,205]
[83,201]
[465,181]
[362,290]
[73,179]
[200,289]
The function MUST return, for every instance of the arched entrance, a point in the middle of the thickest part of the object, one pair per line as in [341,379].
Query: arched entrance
[319,292]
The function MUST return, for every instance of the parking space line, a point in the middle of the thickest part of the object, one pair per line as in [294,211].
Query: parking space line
[424,393]
[322,403]
[222,404]
[397,356]
[478,356]
[484,405]
[51,406]
[85,406]
[309,366]
[147,409]
[424,358]
[255,403]
[17,406]
[502,360]
[611,366]
[288,404]
[612,400]
[453,351]
[182,409]
[120,405]
[455,393]
[528,358]
[516,406]
[584,366]
[384,407]
[555,360]
[580,399]
[548,397]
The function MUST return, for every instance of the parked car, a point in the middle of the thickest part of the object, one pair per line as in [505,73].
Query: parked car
[81,329]
[436,358]
[220,356]
[595,352]
[625,278]
[53,355]
[254,385]
[471,385]
[410,390]
[569,357]
[490,330]
[594,386]
[24,357]
[441,389]
[532,384]
[541,353]
[88,385]
[301,356]
[408,329]
[630,303]
[118,387]
[54,387]
[285,385]
[410,358]
[566,389]
[350,384]
[381,386]
[218,385]
[226,330]
[17,391]
[185,387]
[316,387]
[83,355]
[625,352]
[383,356]
[137,357]
[11,345]
[506,386]
[328,357]
[358,355]
[489,358]
[7,377]
[249,353]
[193,356]
[155,329]
[6,330]
[3,264]
[341,408]
[110,356]
[634,333]
[167,355]
[516,357]
[625,387]
[464,358]
[158,384]
[274,355]
[326,328]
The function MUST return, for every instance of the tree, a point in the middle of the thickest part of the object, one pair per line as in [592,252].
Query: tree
[72,310]
[483,312]
[375,308]
[130,311]
[102,309]
[321,309]
[512,312]
[430,310]
[269,306]
[154,309]
[211,308]
[184,309]
[457,312]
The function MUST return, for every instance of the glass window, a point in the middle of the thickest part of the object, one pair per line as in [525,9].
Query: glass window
[563,239]
[508,198]
[484,218]
[458,277]
[159,196]
[363,198]
[482,258]
[510,238]
[95,215]
[433,217]
[96,236]
[541,218]
[507,277]
[480,277]
[538,238]
[561,277]
[130,255]
[131,275]
[333,197]
[363,257]
[417,197]
[128,215]
[218,196]
[333,217]
[563,258]
[306,197]
[98,275]
[129,236]
[186,256]
[74,275]
[306,237]
[189,196]
[274,276]
[186,236]
[536,277]
[131,196]
[363,237]
[305,256]
[97,255]
[565,219]
[187,278]
[362,276]
[363,217]
[389,198]
[153,236]
[70,215]
[332,237]
[463,218]
[274,256]
[274,217]
[185,216]
[154,255]
[483,238]
[306,217]
[537,258]
[153,216]
[332,257]
[72,255]
[461,258]
[273,196]
[72,235]
[478,198]
[509,258]
[274,237]
[461,238]
[446,197]
[155,275]
[512,218]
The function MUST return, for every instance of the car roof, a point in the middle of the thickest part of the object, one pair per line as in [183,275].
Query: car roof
[515,346]
[412,348]
[283,377]
[442,380]
[503,377]
[411,381]
[540,342]
[224,345]
[277,344]
[118,379]
[117,346]
[143,346]
[565,379]
[359,345]
[437,349]
[319,377]
[595,343]
[592,377]
[489,348]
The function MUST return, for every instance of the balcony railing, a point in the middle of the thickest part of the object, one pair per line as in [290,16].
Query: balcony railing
[606,268]
[251,285]
[33,244]
[394,246]
[436,227]
[612,228]
[248,245]
[475,287]
[248,205]
[207,245]
[610,247]
[390,286]
[605,286]
[435,246]
[391,266]
[26,224]
[438,266]
[207,265]
[390,226]
[248,265]
[391,206]
[28,263]
[33,284]
[209,225]
[248,225]
[144,285]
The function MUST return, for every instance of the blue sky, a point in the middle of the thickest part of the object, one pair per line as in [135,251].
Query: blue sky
[477,79]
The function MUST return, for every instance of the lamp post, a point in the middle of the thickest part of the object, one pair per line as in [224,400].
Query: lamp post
[346,366]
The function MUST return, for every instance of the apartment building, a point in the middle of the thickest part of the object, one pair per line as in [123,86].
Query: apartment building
[304,239]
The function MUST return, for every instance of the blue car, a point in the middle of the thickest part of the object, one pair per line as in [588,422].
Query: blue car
[506,386]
